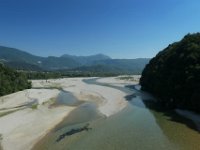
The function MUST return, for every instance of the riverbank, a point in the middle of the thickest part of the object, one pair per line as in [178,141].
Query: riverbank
[30,114]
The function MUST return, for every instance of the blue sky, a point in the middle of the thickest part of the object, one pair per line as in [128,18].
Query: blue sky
[118,28]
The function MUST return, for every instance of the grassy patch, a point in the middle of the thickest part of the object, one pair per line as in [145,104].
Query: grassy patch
[128,78]
[55,86]
[34,106]
[50,101]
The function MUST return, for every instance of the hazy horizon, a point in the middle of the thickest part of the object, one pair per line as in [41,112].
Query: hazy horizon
[119,29]
[76,55]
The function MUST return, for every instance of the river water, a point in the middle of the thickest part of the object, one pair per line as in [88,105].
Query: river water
[134,128]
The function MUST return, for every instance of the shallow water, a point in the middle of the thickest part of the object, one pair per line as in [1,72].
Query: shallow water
[66,98]
[134,128]
[84,113]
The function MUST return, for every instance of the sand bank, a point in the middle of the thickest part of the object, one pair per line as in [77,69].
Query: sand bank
[121,81]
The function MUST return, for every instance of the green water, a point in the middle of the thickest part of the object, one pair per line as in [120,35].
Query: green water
[134,128]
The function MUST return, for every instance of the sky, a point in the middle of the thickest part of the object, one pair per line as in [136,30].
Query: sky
[118,28]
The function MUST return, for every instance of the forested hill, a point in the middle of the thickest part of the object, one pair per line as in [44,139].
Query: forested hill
[174,74]
[12,81]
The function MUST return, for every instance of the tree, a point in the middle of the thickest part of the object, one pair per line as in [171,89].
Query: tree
[12,81]
[173,75]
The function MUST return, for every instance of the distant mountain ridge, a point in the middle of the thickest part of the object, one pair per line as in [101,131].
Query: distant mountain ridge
[19,59]
[86,60]
[13,54]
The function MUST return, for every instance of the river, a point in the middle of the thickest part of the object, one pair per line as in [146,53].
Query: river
[134,128]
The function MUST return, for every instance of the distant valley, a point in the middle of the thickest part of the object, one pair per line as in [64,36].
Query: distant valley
[22,60]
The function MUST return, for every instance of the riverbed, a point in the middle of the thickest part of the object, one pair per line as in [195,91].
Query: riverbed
[134,127]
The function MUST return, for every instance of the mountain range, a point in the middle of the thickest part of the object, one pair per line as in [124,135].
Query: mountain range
[22,60]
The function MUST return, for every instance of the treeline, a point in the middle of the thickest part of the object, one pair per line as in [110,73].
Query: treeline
[31,75]
[173,76]
[12,81]
[87,74]
[65,74]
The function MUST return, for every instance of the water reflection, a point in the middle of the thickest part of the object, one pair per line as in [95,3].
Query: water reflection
[180,131]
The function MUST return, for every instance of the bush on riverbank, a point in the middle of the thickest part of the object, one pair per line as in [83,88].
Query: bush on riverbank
[12,81]
[173,76]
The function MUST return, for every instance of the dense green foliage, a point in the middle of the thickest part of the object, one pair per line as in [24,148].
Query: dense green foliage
[88,74]
[173,76]
[42,75]
[66,74]
[12,81]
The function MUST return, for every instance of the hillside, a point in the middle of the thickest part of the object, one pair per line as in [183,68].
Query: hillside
[125,65]
[55,63]
[11,54]
[174,74]
[21,60]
